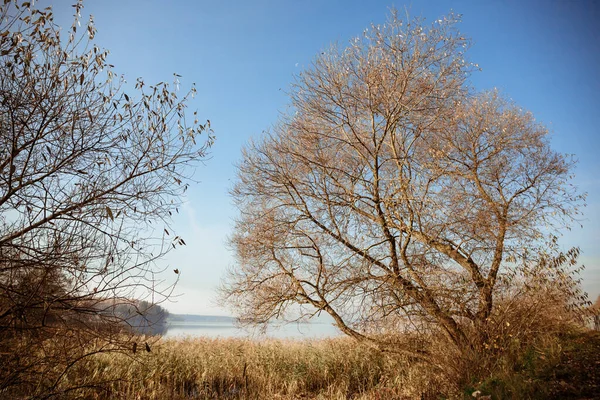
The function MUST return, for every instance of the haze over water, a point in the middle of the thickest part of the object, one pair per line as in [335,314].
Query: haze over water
[229,329]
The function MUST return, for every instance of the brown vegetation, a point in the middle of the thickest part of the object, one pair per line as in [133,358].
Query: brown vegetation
[89,176]
[546,362]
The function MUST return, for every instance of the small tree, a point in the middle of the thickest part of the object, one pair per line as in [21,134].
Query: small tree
[89,176]
[393,197]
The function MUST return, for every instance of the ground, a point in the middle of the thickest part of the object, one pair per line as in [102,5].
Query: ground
[578,374]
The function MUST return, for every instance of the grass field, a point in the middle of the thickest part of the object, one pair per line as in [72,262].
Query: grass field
[563,366]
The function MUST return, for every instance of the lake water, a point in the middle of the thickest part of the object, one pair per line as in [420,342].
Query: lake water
[228,329]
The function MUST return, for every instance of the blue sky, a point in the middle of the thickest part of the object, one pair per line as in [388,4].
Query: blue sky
[243,55]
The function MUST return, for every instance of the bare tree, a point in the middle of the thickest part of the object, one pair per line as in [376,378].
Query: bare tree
[392,197]
[89,177]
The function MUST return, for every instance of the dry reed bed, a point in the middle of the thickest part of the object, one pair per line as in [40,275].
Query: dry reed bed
[340,368]
[239,368]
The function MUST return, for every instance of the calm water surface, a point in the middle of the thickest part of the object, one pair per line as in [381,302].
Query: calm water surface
[228,329]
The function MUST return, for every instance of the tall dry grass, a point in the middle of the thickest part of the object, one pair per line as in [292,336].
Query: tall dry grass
[524,340]
[202,368]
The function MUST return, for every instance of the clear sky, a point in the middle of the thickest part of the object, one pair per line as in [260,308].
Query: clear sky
[243,55]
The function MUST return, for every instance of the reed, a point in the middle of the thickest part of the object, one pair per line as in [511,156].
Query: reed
[339,368]
[244,369]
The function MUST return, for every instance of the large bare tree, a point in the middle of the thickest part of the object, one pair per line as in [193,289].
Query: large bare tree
[89,176]
[393,197]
